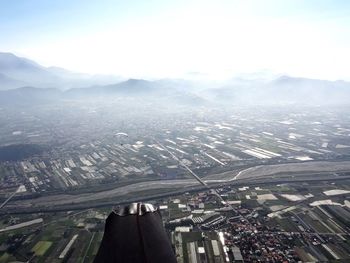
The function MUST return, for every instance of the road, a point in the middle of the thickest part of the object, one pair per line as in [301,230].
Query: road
[21,225]
[10,197]
[214,191]
[253,175]
[286,168]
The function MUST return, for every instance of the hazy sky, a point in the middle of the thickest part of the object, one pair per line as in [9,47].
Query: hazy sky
[309,38]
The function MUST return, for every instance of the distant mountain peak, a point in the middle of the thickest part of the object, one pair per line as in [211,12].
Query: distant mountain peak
[136,81]
[10,60]
[17,71]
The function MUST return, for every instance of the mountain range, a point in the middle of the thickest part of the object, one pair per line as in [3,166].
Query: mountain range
[23,81]
[16,72]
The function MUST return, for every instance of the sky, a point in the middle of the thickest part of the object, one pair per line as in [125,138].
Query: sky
[179,38]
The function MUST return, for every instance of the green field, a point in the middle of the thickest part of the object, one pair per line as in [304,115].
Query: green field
[4,258]
[41,247]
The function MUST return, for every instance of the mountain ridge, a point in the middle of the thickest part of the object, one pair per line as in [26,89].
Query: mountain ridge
[23,71]
[283,89]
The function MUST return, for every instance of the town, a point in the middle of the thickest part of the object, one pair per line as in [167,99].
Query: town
[288,222]
[284,178]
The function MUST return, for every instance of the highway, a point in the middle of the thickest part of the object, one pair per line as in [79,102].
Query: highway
[250,176]
[10,197]
[193,173]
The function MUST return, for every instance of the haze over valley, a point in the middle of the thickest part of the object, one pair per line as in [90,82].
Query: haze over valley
[58,139]
[230,118]
[25,82]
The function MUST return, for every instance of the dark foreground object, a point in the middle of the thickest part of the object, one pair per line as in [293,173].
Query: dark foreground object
[135,233]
